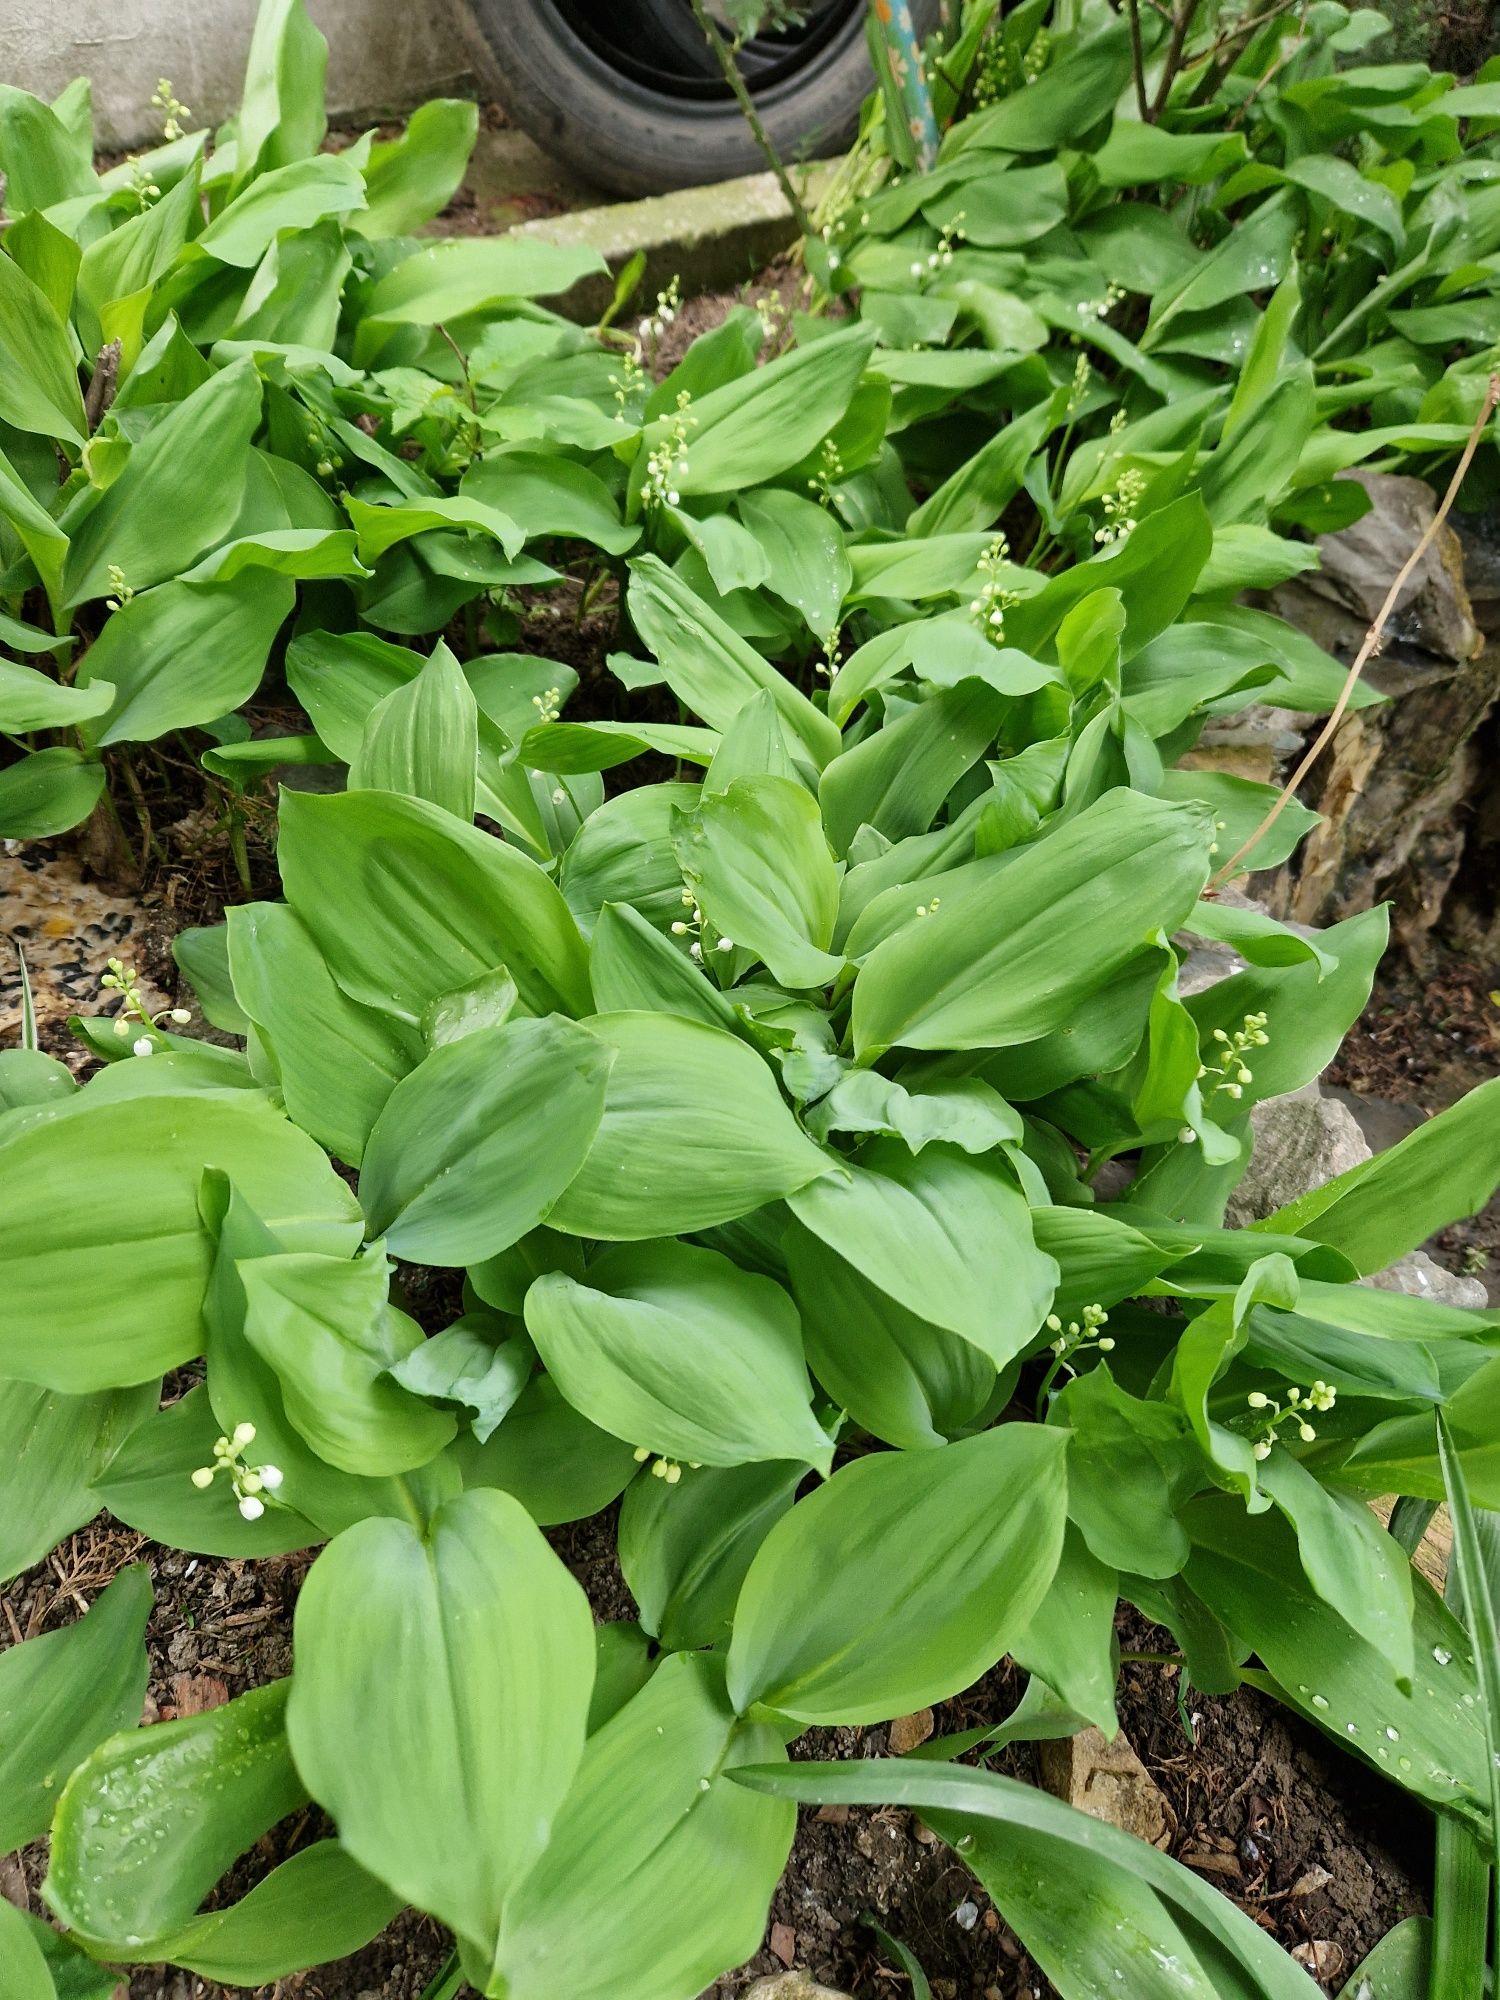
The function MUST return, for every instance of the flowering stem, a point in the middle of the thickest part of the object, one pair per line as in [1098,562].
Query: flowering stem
[724,56]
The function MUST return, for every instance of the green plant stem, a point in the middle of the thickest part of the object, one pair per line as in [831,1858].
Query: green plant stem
[1138,60]
[724,56]
[1182,21]
[1460,1914]
[447,1981]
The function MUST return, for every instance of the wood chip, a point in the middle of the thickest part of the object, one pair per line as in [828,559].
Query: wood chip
[196,1694]
[907,1731]
[783,1942]
[833,1815]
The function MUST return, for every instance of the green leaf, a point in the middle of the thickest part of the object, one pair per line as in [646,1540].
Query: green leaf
[757,860]
[381,528]
[38,379]
[295,197]
[632,1899]
[1088,1900]
[1027,934]
[62,1694]
[281,115]
[556,1463]
[1375,1212]
[149,1822]
[411,179]
[43,160]
[806,563]
[982,488]
[324,1325]
[634,969]
[1071,95]
[901,1580]
[472,1651]
[684,1549]
[26,1969]
[901,1378]
[178,495]
[134,1257]
[551,495]
[46,792]
[423,739]
[745,432]
[51,1449]
[1069,1639]
[694,1133]
[185,653]
[677,1350]
[710,669]
[406,903]
[473,1148]
[444,281]
[337,1062]
[946,1235]
[898,777]
[467,1363]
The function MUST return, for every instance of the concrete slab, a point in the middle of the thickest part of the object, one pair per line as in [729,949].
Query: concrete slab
[709,238]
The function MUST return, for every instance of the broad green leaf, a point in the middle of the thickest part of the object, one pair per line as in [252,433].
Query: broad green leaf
[444,281]
[806,563]
[1155,569]
[757,860]
[324,1325]
[38,380]
[568,747]
[134,1258]
[423,739]
[684,1549]
[406,903]
[634,969]
[1444,1170]
[901,1580]
[337,1062]
[411,179]
[149,1822]
[556,1463]
[1071,95]
[44,162]
[46,792]
[1029,933]
[178,495]
[62,1694]
[1069,1639]
[31,700]
[474,1147]
[1097,1907]
[51,1448]
[656,1878]
[752,428]
[185,653]
[899,776]
[26,1968]
[982,488]
[381,528]
[467,1655]
[551,495]
[623,854]
[1426,1737]
[710,669]
[694,1133]
[294,196]
[946,1235]
[281,116]
[467,1363]
[899,1377]
[677,1350]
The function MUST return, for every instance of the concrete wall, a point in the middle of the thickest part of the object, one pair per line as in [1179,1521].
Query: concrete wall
[383,55]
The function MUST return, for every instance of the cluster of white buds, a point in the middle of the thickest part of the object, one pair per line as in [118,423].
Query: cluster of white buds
[252,1484]
[655,324]
[1271,1414]
[165,100]
[142,186]
[1076,1335]
[771,311]
[937,260]
[123,591]
[124,980]
[1229,1068]
[1120,506]
[988,609]
[628,383]
[1118,421]
[664,1468]
[1101,308]
[833,652]
[693,928]
[667,462]
[830,471]
[1082,375]
[993,78]
[328,459]
[548,706]
[1035,59]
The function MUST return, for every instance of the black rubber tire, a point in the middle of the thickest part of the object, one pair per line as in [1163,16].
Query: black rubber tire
[621,133]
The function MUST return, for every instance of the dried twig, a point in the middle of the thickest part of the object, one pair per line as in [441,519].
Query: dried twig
[1138,60]
[1372,638]
[101,391]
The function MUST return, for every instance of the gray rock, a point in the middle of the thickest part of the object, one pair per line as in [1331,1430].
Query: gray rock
[1299,1142]
[1422,1277]
[791,1986]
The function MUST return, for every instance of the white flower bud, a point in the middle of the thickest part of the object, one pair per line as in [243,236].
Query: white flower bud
[251,1509]
[122,1026]
[270,1477]
[243,1434]
[203,1477]
[1263,1449]
[1306,1433]
[143,1047]
[1257,1399]
[181,1016]
[725,944]
[642,1453]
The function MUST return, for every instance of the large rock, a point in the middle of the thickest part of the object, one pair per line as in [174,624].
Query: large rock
[791,1986]
[1421,1277]
[1299,1142]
